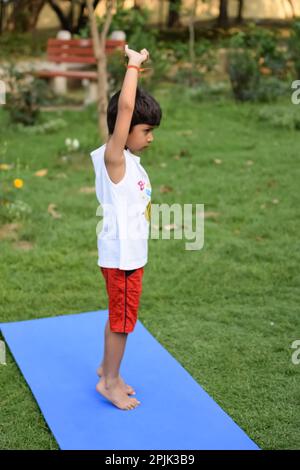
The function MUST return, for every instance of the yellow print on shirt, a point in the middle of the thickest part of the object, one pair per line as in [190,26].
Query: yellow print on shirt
[148,211]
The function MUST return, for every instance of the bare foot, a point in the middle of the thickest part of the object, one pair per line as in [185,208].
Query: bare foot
[127,388]
[117,396]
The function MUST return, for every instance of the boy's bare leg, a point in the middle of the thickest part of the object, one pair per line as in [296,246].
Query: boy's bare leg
[109,385]
[100,371]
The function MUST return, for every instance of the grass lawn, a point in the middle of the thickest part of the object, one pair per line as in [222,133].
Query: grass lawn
[228,313]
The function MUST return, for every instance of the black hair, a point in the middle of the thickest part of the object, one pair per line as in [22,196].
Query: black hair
[146,110]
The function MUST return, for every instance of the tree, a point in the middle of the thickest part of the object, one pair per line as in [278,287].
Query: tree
[25,15]
[99,51]
[75,18]
[174,13]
[239,17]
[223,14]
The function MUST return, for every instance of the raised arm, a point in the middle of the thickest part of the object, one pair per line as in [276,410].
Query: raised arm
[114,152]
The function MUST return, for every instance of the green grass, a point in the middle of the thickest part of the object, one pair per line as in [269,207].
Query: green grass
[228,313]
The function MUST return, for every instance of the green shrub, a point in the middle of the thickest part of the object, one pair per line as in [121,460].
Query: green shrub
[270,89]
[281,118]
[244,73]
[22,100]
[294,47]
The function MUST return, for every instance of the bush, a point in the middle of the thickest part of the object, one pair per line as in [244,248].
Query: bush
[255,65]
[244,73]
[270,89]
[294,47]
[22,100]
[282,118]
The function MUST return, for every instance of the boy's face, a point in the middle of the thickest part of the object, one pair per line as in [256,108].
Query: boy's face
[140,137]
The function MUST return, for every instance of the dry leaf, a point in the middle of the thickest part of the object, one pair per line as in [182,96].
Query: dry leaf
[5,166]
[208,214]
[52,211]
[61,175]
[165,189]
[23,245]
[171,227]
[9,231]
[41,172]
[87,189]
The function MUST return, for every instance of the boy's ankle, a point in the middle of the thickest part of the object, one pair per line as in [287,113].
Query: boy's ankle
[110,382]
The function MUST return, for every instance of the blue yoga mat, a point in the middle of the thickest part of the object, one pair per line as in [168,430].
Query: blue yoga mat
[58,357]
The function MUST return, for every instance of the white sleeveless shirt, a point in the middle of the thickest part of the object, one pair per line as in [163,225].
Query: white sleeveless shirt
[122,235]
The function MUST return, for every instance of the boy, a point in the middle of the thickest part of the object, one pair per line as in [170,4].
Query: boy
[124,192]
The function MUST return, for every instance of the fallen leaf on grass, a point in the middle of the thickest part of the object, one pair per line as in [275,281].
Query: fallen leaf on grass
[52,211]
[23,245]
[272,183]
[9,231]
[208,214]
[171,227]
[87,189]
[41,172]
[5,166]
[165,189]
[61,175]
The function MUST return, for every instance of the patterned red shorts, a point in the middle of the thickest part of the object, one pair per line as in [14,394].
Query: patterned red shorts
[124,289]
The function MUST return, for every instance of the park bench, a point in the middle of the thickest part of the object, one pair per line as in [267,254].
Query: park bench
[63,52]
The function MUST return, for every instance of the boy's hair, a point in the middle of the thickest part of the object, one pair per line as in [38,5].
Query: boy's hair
[146,110]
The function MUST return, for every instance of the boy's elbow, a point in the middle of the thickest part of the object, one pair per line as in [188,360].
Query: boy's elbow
[125,105]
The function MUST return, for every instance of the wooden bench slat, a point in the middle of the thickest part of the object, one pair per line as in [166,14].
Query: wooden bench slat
[67,73]
[84,42]
[53,50]
[72,59]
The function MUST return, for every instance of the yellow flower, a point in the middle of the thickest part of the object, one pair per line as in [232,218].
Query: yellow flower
[18,183]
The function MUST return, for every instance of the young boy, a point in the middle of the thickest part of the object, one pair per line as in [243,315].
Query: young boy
[123,189]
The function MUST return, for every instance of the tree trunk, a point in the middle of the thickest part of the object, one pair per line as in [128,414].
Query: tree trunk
[293,8]
[25,15]
[70,21]
[192,34]
[99,51]
[223,14]
[174,13]
[239,17]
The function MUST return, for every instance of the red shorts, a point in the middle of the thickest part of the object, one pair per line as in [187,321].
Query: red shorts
[124,289]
